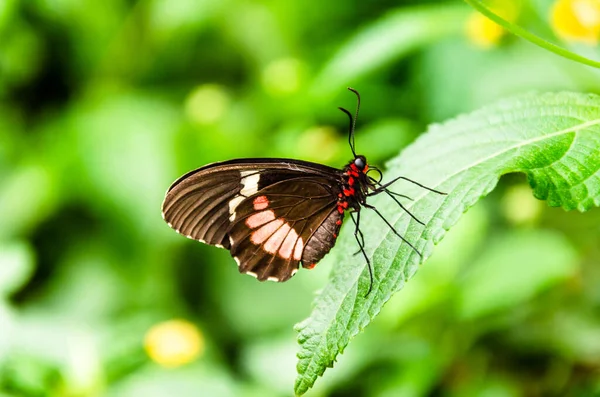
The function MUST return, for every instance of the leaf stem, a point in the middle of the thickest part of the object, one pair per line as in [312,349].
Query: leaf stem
[519,31]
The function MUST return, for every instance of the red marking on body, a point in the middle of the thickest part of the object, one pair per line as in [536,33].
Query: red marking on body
[264,232]
[311,266]
[259,219]
[334,235]
[350,181]
[366,168]
[340,195]
[353,171]
[349,192]
[342,206]
[260,203]
[338,222]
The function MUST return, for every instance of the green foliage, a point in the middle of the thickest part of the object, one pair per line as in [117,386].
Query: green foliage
[104,104]
[553,138]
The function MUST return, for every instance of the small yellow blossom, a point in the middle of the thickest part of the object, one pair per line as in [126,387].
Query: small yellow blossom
[485,33]
[174,343]
[577,20]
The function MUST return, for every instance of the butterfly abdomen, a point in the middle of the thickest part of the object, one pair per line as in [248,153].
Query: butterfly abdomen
[322,240]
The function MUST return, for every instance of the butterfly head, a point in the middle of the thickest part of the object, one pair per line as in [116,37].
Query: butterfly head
[360,164]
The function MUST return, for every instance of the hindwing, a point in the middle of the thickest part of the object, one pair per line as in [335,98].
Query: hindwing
[273,228]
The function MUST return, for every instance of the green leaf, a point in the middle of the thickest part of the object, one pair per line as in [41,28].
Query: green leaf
[553,138]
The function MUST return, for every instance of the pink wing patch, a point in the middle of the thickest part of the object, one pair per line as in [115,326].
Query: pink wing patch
[263,233]
[260,203]
[276,240]
[260,219]
[278,237]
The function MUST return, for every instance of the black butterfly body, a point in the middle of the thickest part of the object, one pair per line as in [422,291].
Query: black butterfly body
[275,214]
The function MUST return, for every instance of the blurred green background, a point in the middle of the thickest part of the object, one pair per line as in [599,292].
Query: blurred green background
[104,104]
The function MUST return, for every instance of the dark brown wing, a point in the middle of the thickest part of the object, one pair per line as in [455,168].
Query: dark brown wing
[274,227]
[201,204]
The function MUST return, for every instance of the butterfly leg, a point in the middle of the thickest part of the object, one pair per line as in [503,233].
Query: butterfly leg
[361,235]
[386,185]
[378,190]
[361,241]
[403,207]
[399,195]
[392,227]
[392,195]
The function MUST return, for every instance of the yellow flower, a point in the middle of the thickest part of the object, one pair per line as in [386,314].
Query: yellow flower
[577,20]
[174,343]
[485,33]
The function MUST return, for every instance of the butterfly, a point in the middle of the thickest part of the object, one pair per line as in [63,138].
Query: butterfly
[274,214]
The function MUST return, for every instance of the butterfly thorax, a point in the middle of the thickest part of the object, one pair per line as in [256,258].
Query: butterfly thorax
[355,185]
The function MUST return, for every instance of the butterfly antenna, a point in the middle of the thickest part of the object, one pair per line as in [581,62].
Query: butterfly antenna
[355,117]
[351,130]
[355,113]
[352,125]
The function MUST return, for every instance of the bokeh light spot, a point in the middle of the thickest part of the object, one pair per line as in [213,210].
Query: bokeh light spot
[174,343]
[485,33]
[282,77]
[319,143]
[207,104]
[519,206]
[577,20]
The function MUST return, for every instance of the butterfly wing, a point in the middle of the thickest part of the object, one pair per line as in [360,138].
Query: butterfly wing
[197,204]
[276,228]
[206,204]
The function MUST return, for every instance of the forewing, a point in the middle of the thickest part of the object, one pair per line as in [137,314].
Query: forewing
[198,206]
[201,204]
[272,227]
